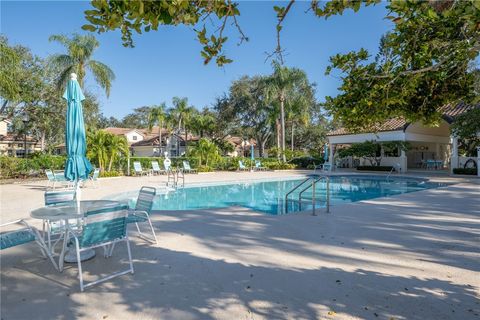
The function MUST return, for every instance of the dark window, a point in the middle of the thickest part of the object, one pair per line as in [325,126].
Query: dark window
[134,138]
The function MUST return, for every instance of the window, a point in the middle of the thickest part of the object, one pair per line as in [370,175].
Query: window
[20,145]
[134,137]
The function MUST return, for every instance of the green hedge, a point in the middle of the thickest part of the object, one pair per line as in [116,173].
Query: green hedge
[374,168]
[469,171]
[11,167]
[307,162]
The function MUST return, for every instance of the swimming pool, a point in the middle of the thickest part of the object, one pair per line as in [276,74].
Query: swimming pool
[269,196]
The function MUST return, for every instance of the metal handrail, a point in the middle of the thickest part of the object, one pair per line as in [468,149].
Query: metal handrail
[314,183]
[290,192]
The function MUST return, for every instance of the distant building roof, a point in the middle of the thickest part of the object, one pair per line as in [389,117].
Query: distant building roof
[237,141]
[122,131]
[16,138]
[448,111]
[153,139]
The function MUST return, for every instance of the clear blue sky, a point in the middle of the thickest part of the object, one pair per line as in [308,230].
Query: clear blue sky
[167,63]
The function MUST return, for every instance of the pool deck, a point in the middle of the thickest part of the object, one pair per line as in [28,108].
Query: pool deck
[410,256]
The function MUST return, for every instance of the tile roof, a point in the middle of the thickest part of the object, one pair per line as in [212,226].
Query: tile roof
[448,111]
[16,138]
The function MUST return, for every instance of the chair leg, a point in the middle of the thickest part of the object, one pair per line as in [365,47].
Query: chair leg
[79,263]
[129,254]
[62,254]
[153,231]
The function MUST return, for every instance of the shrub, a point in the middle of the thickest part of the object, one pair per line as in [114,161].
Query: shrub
[204,169]
[307,162]
[374,168]
[468,171]
[11,167]
[108,174]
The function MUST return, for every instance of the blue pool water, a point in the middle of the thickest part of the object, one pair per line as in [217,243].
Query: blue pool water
[269,196]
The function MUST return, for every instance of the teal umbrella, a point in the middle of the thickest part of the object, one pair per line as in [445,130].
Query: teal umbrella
[77,167]
[252,152]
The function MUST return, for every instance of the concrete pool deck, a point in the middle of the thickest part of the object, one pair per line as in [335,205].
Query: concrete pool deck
[411,256]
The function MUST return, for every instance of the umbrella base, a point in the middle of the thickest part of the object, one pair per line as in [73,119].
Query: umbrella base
[71,255]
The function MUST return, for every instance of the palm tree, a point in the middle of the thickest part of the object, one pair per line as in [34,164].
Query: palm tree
[206,151]
[182,113]
[78,59]
[278,89]
[157,116]
[116,146]
[203,122]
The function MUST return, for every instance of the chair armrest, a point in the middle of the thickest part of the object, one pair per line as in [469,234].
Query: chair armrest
[139,213]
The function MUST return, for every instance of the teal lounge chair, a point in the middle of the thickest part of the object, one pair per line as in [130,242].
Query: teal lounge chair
[156,168]
[241,166]
[137,167]
[258,166]
[101,228]
[187,168]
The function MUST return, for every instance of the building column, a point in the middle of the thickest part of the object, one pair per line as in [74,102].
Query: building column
[454,156]
[403,161]
[437,151]
[331,154]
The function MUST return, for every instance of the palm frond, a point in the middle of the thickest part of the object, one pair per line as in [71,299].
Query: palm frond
[64,77]
[102,74]
[60,38]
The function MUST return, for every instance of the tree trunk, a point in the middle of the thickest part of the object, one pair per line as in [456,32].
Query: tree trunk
[110,163]
[42,141]
[277,129]
[293,130]
[160,125]
[282,120]
[186,139]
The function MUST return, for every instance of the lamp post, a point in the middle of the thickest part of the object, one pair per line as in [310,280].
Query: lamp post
[25,120]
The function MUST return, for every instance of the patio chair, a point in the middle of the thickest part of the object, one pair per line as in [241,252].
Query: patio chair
[56,228]
[241,166]
[137,167]
[101,228]
[51,179]
[94,177]
[141,213]
[187,168]
[259,167]
[26,234]
[156,168]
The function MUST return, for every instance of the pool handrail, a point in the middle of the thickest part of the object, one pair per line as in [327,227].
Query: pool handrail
[295,188]
[313,185]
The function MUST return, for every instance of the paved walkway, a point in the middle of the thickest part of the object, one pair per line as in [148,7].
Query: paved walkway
[411,256]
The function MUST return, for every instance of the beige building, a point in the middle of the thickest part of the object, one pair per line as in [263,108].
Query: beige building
[427,143]
[14,145]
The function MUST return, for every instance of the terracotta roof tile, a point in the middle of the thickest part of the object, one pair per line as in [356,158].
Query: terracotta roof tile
[448,111]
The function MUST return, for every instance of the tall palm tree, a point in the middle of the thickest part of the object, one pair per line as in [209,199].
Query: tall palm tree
[78,59]
[182,113]
[157,116]
[278,89]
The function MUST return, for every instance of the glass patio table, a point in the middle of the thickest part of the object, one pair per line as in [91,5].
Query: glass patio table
[76,211]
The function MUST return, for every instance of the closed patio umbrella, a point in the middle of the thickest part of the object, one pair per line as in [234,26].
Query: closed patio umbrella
[77,167]
[325,152]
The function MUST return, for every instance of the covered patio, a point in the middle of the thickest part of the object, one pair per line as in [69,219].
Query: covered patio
[431,148]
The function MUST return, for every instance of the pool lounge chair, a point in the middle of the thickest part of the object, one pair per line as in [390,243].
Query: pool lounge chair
[101,228]
[137,167]
[241,166]
[26,234]
[93,178]
[156,168]
[259,167]
[187,168]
